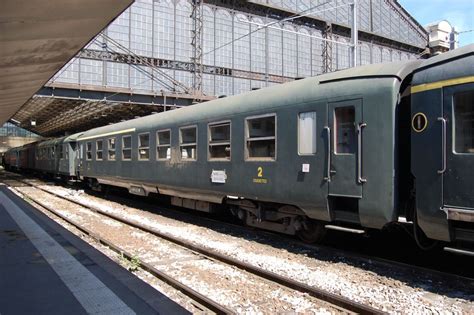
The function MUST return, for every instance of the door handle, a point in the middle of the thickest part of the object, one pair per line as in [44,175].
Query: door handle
[328,169]
[360,179]
[443,137]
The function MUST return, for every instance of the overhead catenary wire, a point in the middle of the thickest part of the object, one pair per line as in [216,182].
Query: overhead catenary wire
[303,34]
[292,17]
[150,76]
[145,62]
[146,73]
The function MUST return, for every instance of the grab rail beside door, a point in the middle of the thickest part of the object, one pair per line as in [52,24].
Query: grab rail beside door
[328,170]
[443,154]
[360,179]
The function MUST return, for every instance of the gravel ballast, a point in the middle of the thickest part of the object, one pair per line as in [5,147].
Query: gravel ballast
[394,291]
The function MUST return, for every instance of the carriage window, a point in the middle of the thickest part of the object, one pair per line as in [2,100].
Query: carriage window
[52,152]
[163,145]
[344,130]
[188,142]
[89,151]
[111,149]
[98,150]
[260,137]
[307,133]
[66,149]
[464,122]
[127,147]
[219,141]
[60,153]
[144,146]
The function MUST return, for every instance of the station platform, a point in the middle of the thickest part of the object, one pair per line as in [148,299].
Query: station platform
[45,269]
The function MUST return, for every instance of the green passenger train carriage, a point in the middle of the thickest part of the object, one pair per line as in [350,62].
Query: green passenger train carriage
[286,158]
[442,146]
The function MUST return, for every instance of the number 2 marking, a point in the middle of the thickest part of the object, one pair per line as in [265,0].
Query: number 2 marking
[260,171]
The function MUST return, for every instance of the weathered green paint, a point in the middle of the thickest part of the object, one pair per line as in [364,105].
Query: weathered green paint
[374,86]
[453,188]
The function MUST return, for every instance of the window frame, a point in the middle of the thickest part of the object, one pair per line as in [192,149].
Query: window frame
[97,150]
[139,147]
[246,136]
[158,145]
[60,152]
[335,132]
[181,145]
[129,148]
[110,150]
[88,144]
[315,134]
[217,123]
[454,130]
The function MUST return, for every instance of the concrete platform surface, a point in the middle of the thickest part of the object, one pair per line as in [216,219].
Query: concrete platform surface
[45,269]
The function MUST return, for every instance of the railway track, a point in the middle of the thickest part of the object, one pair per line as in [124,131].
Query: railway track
[209,304]
[390,263]
[211,223]
[341,303]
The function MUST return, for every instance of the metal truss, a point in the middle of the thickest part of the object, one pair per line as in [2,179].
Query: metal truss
[196,43]
[177,65]
[327,49]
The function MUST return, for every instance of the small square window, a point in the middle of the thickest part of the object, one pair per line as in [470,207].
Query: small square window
[144,146]
[464,122]
[111,149]
[163,145]
[344,130]
[307,133]
[89,151]
[98,150]
[60,152]
[188,143]
[260,138]
[219,141]
[127,147]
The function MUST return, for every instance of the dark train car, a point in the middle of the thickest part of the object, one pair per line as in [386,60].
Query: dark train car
[47,156]
[12,158]
[285,158]
[442,145]
[68,157]
[58,157]
[27,157]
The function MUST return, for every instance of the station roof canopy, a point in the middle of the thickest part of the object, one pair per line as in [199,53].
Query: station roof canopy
[38,37]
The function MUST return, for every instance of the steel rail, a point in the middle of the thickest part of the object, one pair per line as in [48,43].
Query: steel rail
[370,259]
[320,294]
[196,296]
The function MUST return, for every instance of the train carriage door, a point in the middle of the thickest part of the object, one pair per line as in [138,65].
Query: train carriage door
[345,121]
[457,160]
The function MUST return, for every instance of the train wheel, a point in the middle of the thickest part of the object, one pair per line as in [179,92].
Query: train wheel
[311,231]
[421,239]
